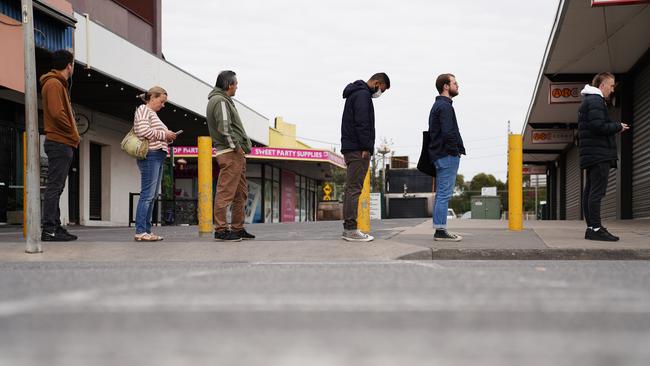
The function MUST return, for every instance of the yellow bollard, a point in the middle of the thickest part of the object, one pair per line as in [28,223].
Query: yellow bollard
[363,210]
[515,189]
[206,223]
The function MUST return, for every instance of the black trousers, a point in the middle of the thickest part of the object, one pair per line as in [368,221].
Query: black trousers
[357,167]
[59,157]
[595,188]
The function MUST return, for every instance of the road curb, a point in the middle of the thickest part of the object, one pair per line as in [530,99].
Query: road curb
[540,254]
[426,254]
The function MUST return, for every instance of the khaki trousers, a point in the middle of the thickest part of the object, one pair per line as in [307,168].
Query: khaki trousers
[356,167]
[232,190]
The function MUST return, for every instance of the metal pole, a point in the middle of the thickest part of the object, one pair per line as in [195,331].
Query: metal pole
[206,225]
[33,242]
[536,185]
[515,189]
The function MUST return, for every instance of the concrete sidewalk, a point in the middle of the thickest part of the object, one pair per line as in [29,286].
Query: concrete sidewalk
[409,239]
[491,239]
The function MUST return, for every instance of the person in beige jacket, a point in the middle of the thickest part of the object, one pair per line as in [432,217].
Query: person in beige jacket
[61,138]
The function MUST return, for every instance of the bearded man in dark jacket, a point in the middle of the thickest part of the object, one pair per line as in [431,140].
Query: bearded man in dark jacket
[598,153]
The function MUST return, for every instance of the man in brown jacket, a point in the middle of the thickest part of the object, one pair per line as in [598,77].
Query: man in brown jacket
[61,137]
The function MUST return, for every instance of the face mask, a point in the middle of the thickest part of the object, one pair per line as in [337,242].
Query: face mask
[377,93]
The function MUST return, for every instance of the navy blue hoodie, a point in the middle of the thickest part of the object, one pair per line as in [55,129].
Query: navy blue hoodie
[358,122]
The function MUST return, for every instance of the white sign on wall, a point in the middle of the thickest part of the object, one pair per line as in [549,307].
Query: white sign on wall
[489,191]
[375,206]
[552,136]
[534,170]
[565,93]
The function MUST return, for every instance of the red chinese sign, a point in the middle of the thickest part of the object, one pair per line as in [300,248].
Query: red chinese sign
[617,2]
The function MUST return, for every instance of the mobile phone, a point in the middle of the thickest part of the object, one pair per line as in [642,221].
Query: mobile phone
[178,132]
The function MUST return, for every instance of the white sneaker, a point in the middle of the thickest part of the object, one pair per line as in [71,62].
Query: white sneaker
[356,235]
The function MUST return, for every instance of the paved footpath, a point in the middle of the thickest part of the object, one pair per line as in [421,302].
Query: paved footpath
[407,239]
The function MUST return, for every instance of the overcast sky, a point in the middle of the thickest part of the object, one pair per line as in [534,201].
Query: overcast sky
[293,58]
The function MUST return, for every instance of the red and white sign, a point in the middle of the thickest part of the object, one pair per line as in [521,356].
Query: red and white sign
[565,93]
[273,153]
[552,136]
[617,2]
[534,170]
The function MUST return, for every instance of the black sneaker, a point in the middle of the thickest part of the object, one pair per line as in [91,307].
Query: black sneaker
[444,235]
[226,235]
[612,235]
[54,235]
[63,231]
[245,235]
[600,235]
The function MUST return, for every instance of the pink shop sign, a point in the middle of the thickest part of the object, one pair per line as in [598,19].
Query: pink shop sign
[272,153]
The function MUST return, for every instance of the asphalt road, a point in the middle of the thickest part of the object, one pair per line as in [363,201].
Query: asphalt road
[363,313]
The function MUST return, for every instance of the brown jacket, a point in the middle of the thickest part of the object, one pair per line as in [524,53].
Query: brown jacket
[60,125]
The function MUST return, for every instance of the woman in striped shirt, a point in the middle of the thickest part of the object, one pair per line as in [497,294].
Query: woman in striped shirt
[147,125]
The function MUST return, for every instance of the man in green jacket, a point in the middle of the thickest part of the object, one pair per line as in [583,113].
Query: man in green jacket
[232,144]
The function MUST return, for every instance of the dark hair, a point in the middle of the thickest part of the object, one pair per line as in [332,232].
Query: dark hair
[382,78]
[153,92]
[225,79]
[442,80]
[599,78]
[61,59]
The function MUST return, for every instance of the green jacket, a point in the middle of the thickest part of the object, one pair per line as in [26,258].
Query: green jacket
[226,129]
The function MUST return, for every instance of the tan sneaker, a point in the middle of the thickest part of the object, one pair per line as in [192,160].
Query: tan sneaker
[356,235]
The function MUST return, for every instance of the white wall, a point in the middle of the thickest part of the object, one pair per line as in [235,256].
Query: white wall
[103,50]
[120,173]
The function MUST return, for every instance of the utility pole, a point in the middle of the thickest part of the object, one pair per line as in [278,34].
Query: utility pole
[33,184]
[536,185]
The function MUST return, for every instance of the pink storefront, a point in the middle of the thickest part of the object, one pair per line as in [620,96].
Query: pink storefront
[282,183]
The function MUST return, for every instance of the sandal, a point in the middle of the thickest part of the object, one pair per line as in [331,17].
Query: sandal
[146,237]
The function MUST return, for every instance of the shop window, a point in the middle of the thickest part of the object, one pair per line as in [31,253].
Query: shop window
[276,202]
[253,209]
[297,205]
[268,200]
[303,199]
[95,201]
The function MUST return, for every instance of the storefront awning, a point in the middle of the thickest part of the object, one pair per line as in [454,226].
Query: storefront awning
[273,153]
[584,41]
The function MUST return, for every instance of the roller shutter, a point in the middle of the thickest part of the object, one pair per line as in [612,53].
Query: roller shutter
[641,145]
[558,195]
[609,206]
[573,185]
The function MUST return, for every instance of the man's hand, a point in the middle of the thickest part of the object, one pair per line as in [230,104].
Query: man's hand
[625,127]
[365,155]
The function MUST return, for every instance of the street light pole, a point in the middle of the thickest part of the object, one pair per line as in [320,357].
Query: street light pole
[33,184]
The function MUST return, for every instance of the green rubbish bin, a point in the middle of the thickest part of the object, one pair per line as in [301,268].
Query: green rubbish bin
[486,207]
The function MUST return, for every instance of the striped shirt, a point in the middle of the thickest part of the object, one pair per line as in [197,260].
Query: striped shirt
[147,125]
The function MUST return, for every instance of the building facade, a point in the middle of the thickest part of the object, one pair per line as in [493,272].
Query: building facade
[588,38]
[118,55]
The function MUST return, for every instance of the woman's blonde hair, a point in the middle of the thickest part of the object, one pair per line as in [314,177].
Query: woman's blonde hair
[153,92]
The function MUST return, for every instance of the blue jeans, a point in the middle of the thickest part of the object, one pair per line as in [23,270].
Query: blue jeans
[150,177]
[446,169]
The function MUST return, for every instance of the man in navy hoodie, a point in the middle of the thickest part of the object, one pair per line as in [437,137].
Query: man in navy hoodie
[358,144]
[445,149]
